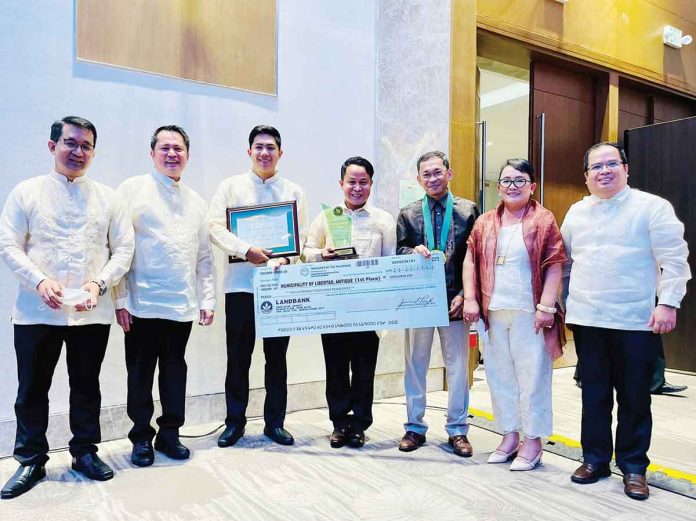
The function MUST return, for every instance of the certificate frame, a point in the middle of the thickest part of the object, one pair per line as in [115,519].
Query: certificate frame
[288,209]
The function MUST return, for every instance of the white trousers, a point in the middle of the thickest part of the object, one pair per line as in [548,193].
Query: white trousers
[518,370]
[455,353]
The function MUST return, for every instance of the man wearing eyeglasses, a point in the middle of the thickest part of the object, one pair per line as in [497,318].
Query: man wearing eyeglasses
[67,240]
[624,247]
[442,222]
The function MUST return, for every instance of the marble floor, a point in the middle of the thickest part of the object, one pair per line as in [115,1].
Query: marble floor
[674,418]
[259,480]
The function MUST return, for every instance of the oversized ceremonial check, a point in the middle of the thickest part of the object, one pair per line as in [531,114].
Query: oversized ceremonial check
[351,295]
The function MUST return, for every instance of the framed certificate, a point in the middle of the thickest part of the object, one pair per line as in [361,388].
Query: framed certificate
[269,226]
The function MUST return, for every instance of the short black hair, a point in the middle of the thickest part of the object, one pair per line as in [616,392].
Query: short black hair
[430,155]
[75,121]
[521,165]
[614,144]
[359,161]
[169,128]
[264,129]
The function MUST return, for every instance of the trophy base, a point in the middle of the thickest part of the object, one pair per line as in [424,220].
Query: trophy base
[344,253]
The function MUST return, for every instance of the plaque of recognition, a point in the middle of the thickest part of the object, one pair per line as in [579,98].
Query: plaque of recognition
[269,226]
[340,226]
[351,295]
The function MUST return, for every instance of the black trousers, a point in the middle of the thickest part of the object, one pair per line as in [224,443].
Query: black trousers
[38,347]
[346,353]
[151,340]
[241,335]
[658,376]
[623,361]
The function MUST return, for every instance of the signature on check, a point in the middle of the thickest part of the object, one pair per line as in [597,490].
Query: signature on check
[423,301]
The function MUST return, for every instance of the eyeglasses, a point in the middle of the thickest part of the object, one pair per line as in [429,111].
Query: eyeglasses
[73,145]
[437,174]
[611,165]
[518,182]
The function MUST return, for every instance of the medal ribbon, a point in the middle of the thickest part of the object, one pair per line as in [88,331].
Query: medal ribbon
[446,223]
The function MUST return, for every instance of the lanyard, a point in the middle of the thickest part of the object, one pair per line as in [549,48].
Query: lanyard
[446,222]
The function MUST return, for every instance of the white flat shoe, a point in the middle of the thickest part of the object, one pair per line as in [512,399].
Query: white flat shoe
[523,464]
[499,456]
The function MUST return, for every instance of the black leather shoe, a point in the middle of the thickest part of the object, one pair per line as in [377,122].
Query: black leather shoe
[357,438]
[279,435]
[172,448]
[667,388]
[142,455]
[230,436]
[23,480]
[338,438]
[588,473]
[91,466]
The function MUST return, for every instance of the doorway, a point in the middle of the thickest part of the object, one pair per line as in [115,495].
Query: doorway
[504,121]
[539,107]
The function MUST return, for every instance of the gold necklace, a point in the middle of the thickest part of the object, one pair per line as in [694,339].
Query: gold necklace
[500,259]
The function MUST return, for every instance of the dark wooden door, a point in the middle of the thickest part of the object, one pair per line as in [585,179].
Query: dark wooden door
[567,99]
[662,161]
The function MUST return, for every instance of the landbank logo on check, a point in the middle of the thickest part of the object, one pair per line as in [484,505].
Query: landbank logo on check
[397,292]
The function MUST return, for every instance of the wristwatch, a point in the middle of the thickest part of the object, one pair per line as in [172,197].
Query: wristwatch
[102,286]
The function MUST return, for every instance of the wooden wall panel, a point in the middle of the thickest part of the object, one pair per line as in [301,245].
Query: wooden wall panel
[570,130]
[628,120]
[686,9]
[462,140]
[635,109]
[587,24]
[563,82]
[624,35]
[667,108]
[223,42]
[635,102]
[638,24]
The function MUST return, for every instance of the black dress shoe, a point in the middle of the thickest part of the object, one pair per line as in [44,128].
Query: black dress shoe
[172,448]
[667,388]
[338,438]
[279,435]
[23,480]
[357,438]
[588,473]
[91,466]
[142,455]
[230,436]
